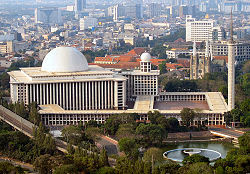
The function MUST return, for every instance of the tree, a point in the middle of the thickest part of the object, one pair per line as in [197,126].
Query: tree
[242,164]
[104,158]
[195,159]
[33,114]
[173,124]
[197,168]
[106,170]
[154,153]
[163,68]
[43,164]
[167,168]
[153,116]
[187,116]
[72,134]
[66,169]
[129,146]
[151,134]
[125,131]
[244,141]
[6,168]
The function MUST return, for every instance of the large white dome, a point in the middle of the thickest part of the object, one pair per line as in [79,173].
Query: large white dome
[145,57]
[64,59]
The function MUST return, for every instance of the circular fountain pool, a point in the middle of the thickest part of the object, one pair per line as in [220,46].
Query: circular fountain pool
[179,154]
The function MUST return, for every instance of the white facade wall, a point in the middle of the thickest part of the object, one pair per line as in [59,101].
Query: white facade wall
[198,31]
[88,22]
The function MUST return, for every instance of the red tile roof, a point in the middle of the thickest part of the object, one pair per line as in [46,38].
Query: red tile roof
[185,63]
[173,65]
[119,65]
[221,58]
[136,51]
[116,58]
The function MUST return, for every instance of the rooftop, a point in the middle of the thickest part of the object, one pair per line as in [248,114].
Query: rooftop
[214,104]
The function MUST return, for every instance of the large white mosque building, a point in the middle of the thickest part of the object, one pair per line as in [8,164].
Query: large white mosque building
[69,91]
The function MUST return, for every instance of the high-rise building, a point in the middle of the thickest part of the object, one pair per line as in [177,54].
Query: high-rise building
[49,16]
[183,11]
[198,30]
[154,10]
[116,11]
[87,23]
[80,5]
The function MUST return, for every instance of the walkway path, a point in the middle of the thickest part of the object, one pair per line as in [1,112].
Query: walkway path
[226,132]
[18,163]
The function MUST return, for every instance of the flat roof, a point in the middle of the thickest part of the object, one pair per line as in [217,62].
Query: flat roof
[35,75]
[214,103]
[92,69]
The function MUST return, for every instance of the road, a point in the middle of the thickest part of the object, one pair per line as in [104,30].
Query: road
[18,163]
[111,148]
[25,126]
[229,132]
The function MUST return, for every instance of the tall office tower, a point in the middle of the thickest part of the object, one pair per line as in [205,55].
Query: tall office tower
[183,11]
[49,16]
[116,11]
[154,10]
[80,5]
[198,30]
[133,10]
[139,11]
[231,70]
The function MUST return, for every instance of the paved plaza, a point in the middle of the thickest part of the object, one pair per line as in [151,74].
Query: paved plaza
[179,105]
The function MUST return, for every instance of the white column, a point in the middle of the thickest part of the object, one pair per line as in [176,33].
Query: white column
[116,94]
[57,93]
[109,94]
[50,93]
[34,92]
[40,94]
[112,94]
[60,93]
[102,95]
[73,98]
[99,95]
[105,94]
[96,101]
[67,95]
[124,93]
[63,95]
[54,93]
[47,93]
[89,93]
[80,96]
[231,76]
[70,96]
[92,94]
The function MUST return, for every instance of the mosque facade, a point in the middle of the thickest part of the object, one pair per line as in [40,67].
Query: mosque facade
[69,91]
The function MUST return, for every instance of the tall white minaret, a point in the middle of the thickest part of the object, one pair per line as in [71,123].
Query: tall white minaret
[207,49]
[195,62]
[231,69]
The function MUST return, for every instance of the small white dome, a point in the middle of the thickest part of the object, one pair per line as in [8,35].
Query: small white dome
[64,59]
[145,57]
